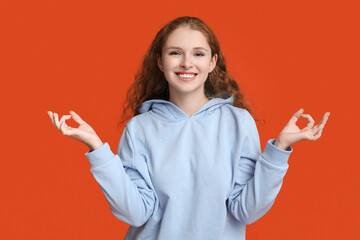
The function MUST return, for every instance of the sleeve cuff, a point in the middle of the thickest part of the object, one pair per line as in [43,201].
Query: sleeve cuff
[100,155]
[276,155]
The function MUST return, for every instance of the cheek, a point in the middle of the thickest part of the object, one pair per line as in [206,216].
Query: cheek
[169,63]
[205,67]
[204,64]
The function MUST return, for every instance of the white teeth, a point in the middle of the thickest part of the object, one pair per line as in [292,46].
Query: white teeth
[187,75]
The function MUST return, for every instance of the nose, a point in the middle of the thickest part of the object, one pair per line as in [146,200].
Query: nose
[186,62]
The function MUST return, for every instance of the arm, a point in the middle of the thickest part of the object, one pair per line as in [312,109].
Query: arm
[258,177]
[124,180]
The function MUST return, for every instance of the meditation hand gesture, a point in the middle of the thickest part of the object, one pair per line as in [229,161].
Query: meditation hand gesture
[84,133]
[292,134]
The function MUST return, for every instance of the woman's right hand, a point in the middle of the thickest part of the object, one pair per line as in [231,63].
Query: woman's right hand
[83,133]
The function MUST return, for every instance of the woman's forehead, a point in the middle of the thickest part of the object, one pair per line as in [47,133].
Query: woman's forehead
[185,37]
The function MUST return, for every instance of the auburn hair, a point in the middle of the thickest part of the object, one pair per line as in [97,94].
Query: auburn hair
[150,82]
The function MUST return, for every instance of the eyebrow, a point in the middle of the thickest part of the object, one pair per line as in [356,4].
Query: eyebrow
[196,48]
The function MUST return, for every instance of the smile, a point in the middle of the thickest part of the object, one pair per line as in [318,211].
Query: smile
[186,76]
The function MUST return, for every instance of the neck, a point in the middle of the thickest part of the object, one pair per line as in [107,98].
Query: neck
[189,103]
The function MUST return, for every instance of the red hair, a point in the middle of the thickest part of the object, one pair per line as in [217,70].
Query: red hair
[150,82]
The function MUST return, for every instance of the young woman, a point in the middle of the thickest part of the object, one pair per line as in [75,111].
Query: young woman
[189,163]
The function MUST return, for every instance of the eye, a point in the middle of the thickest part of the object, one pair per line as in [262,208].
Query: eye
[199,54]
[174,53]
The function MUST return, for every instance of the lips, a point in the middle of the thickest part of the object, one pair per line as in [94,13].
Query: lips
[183,73]
[186,76]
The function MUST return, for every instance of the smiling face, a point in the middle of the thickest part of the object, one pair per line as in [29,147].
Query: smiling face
[186,61]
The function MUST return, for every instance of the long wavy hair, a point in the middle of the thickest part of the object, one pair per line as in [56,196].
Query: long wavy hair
[150,82]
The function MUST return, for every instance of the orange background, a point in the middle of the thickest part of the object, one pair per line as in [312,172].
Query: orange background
[82,56]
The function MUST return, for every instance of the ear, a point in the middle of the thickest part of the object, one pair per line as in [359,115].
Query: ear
[213,63]
[159,62]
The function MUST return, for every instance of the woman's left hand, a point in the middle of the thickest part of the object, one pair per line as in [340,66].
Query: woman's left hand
[292,134]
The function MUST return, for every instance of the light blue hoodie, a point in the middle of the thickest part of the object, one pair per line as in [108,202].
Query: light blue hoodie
[176,177]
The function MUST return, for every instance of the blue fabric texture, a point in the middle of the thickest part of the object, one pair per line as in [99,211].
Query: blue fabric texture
[200,177]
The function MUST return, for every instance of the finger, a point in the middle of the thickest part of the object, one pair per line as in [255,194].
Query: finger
[296,116]
[318,134]
[323,121]
[76,117]
[325,118]
[64,118]
[64,129]
[57,123]
[51,115]
[310,119]
[69,131]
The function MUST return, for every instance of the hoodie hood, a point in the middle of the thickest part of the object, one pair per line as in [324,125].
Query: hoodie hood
[168,111]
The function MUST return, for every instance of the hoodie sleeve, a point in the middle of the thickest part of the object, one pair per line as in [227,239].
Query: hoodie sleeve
[124,179]
[258,177]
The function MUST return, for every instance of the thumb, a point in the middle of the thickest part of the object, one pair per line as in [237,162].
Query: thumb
[296,116]
[76,117]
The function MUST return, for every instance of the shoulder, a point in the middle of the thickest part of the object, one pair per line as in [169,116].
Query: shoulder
[235,120]
[240,114]
[137,125]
